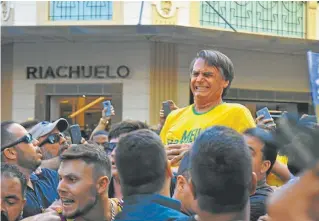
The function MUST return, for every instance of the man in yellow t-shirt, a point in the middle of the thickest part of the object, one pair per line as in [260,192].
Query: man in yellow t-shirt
[211,75]
[185,124]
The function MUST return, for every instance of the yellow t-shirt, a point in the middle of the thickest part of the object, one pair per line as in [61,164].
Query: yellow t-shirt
[272,179]
[184,125]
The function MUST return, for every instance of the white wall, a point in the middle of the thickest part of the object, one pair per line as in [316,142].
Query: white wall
[135,89]
[253,70]
[132,13]
[25,13]
[317,22]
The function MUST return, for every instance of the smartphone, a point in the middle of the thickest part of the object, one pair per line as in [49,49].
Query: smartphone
[107,104]
[166,107]
[75,134]
[264,111]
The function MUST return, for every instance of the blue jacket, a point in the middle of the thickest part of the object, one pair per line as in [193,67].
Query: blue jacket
[44,194]
[152,207]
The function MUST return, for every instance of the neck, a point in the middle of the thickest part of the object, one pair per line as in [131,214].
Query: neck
[101,209]
[240,216]
[117,189]
[261,182]
[166,188]
[204,106]
[26,172]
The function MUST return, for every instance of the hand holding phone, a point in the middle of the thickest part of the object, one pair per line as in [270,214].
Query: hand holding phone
[107,105]
[75,134]
[265,112]
[166,108]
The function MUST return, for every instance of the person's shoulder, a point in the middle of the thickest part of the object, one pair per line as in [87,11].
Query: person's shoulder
[48,174]
[180,111]
[235,106]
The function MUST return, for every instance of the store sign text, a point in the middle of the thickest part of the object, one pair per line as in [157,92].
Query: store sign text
[100,72]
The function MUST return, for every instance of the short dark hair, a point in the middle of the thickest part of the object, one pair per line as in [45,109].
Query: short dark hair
[270,149]
[184,166]
[90,154]
[11,171]
[124,127]
[221,170]
[141,162]
[6,136]
[219,60]
[29,124]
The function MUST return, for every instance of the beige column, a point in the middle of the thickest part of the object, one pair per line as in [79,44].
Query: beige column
[163,77]
[312,19]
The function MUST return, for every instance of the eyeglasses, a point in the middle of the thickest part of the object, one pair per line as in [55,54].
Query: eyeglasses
[110,147]
[25,139]
[52,139]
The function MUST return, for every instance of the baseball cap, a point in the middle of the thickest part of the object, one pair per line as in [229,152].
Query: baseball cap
[45,127]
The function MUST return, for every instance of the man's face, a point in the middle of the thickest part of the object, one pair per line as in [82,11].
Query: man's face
[100,139]
[12,200]
[53,150]
[184,194]
[207,81]
[77,188]
[260,166]
[27,155]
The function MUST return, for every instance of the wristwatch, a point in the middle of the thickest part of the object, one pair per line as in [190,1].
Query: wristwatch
[104,122]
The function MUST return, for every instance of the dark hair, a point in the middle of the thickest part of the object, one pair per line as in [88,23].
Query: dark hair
[29,124]
[11,171]
[270,149]
[141,162]
[219,60]
[6,136]
[100,132]
[124,127]
[184,166]
[90,154]
[221,170]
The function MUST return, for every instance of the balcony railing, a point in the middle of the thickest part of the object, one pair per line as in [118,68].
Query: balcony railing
[80,10]
[283,18]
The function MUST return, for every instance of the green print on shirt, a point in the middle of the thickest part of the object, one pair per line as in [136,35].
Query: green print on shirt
[189,137]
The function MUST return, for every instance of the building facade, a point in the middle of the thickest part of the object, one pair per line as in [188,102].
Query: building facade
[67,55]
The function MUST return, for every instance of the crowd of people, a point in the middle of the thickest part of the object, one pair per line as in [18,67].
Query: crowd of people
[209,161]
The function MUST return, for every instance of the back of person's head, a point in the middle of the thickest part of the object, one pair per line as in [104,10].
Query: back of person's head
[141,162]
[29,124]
[11,171]
[221,171]
[125,127]
[219,60]
[90,154]
[270,149]
[6,136]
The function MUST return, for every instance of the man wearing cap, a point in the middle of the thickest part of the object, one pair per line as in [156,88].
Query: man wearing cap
[51,141]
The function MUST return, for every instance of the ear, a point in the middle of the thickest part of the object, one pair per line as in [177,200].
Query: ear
[253,183]
[10,153]
[102,185]
[265,166]
[225,85]
[180,183]
[169,172]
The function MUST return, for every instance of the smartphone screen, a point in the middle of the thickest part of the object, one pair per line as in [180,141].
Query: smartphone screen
[264,111]
[166,108]
[75,134]
[107,104]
